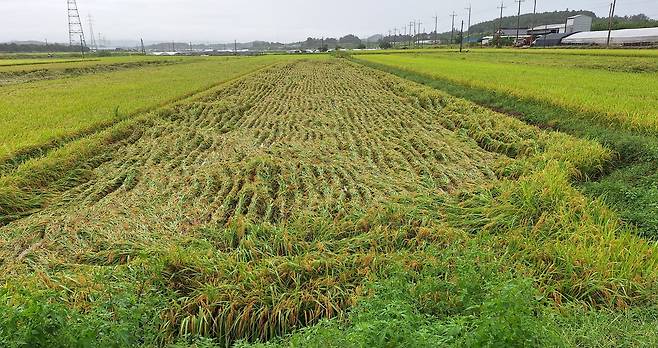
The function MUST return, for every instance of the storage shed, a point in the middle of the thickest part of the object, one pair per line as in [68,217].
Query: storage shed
[623,37]
[550,40]
[573,24]
[579,23]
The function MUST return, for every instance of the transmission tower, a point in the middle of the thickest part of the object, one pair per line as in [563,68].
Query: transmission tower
[76,34]
[92,42]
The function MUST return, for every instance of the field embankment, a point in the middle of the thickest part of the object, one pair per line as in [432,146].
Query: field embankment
[629,181]
[322,190]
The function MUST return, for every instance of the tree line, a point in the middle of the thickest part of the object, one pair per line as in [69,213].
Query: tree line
[38,47]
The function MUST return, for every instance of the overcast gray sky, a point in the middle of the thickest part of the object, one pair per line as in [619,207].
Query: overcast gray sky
[246,20]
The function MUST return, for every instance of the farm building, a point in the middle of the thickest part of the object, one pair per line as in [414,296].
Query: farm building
[549,40]
[623,37]
[573,24]
[506,34]
[579,23]
[511,32]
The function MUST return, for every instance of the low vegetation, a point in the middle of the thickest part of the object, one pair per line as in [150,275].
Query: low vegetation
[320,203]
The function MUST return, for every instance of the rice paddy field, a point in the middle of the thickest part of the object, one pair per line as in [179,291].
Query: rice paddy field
[314,202]
[70,99]
[605,95]
[598,91]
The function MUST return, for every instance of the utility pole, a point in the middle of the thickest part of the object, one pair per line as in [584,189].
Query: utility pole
[143,49]
[415,33]
[415,37]
[518,21]
[235,47]
[461,38]
[411,36]
[534,14]
[423,37]
[612,15]
[420,42]
[468,30]
[452,33]
[91,33]
[500,21]
[436,28]
[82,46]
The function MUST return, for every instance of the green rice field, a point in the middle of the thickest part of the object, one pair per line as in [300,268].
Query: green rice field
[590,84]
[64,107]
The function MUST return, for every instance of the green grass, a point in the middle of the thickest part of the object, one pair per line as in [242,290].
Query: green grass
[648,53]
[40,72]
[6,62]
[621,98]
[504,311]
[320,203]
[39,114]
[615,63]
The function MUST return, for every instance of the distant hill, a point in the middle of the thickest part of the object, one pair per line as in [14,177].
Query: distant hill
[627,22]
[375,38]
[15,47]
[28,42]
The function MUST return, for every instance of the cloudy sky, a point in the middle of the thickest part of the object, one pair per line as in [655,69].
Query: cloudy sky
[272,20]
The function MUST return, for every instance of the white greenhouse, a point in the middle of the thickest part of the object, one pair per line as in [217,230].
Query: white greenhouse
[642,36]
